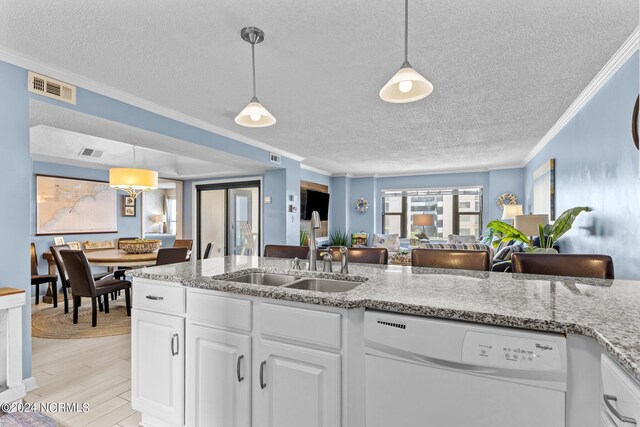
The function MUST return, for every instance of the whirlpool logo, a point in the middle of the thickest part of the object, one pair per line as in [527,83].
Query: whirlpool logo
[543,347]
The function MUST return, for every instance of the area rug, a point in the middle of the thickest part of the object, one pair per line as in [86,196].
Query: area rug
[26,419]
[51,322]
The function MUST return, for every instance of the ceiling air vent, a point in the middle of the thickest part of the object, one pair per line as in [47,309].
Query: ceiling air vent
[90,152]
[274,158]
[51,88]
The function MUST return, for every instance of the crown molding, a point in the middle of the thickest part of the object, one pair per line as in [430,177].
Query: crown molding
[316,170]
[628,48]
[32,64]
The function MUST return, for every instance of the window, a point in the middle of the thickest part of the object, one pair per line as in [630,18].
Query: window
[171,214]
[454,211]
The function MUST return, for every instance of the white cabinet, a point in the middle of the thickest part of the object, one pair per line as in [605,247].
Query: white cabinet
[296,386]
[157,383]
[218,378]
[620,404]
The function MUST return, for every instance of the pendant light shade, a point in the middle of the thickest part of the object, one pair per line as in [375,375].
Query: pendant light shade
[254,115]
[407,85]
[133,180]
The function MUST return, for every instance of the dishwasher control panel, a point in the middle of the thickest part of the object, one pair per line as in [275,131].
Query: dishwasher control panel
[512,352]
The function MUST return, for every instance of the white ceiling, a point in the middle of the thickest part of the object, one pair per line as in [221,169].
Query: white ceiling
[58,135]
[504,71]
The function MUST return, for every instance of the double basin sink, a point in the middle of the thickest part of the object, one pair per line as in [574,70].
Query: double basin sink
[296,282]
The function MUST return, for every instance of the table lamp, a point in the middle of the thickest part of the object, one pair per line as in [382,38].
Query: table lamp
[528,224]
[509,212]
[423,220]
[159,219]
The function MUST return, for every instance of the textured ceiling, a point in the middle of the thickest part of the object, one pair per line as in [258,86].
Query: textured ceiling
[58,135]
[504,70]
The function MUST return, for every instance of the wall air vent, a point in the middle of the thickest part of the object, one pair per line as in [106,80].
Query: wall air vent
[90,152]
[275,158]
[45,86]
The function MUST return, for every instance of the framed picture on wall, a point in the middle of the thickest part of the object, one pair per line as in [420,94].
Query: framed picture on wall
[128,206]
[74,206]
[544,189]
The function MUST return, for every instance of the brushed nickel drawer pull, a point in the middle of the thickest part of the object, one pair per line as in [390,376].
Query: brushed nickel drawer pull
[154,298]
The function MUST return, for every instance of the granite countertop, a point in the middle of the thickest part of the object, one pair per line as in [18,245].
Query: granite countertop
[608,311]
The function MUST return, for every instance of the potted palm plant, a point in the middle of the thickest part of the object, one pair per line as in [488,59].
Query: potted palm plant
[547,233]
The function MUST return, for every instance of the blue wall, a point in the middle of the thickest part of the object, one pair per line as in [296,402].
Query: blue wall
[15,175]
[127,226]
[597,166]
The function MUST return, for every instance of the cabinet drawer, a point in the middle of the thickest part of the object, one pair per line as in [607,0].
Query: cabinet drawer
[215,310]
[158,297]
[308,327]
[622,392]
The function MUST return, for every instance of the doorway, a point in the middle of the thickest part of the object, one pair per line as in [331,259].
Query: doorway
[228,216]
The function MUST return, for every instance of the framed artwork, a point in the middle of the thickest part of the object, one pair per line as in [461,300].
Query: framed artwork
[128,206]
[544,189]
[74,206]
[129,201]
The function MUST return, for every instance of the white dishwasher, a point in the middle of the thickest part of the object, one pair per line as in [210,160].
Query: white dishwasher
[425,372]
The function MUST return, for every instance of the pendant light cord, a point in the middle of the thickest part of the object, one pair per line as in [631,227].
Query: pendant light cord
[406,30]
[253,61]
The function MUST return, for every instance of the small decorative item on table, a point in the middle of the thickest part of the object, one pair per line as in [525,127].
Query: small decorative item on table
[401,258]
[140,246]
[359,239]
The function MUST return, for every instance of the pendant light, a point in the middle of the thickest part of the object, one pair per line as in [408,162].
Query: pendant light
[133,180]
[254,115]
[407,85]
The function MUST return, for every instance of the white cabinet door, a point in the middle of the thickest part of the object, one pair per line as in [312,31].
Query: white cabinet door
[218,378]
[157,359]
[295,386]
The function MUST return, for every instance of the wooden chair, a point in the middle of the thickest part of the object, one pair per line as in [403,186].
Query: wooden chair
[172,255]
[38,279]
[360,255]
[570,265]
[83,285]
[249,239]
[285,251]
[183,243]
[455,259]
[208,251]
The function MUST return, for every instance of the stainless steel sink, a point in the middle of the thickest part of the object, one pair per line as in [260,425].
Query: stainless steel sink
[323,285]
[267,279]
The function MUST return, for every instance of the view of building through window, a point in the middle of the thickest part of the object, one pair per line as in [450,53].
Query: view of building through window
[455,211]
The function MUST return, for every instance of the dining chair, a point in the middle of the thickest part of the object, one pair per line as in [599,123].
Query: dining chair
[183,243]
[172,255]
[64,277]
[84,285]
[286,251]
[208,251]
[360,255]
[249,239]
[455,259]
[38,279]
[571,265]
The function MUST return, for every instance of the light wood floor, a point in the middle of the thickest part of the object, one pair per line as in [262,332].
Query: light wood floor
[95,370]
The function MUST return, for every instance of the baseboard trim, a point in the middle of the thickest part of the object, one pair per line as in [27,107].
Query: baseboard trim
[30,384]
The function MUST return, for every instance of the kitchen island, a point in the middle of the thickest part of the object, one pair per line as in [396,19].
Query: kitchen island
[589,311]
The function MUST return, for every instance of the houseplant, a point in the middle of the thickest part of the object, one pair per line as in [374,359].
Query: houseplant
[338,237]
[304,237]
[548,233]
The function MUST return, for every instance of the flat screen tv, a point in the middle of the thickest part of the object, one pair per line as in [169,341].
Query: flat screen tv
[317,201]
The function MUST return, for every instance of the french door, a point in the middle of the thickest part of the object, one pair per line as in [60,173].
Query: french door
[228,216]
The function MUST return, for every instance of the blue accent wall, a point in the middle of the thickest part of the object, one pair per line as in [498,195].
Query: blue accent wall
[15,175]
[127,226]
[597,166]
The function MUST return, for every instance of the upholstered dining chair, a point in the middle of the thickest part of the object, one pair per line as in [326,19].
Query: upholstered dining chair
[84,285]
[360,255]
[455,259]
[183,243]
[172,255]
[208,251]
[38,279]
[286,251]
[64,277]
[571,265]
